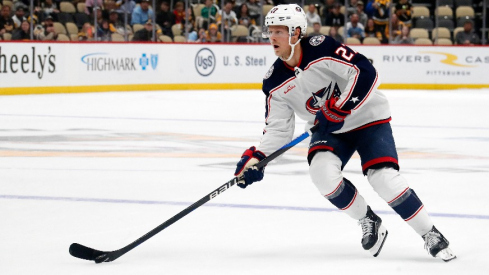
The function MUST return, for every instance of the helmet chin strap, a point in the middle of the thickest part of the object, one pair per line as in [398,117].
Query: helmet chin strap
[292,50]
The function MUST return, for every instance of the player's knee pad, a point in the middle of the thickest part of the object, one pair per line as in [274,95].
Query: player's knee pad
[393,188]
[325,172]
[387,182]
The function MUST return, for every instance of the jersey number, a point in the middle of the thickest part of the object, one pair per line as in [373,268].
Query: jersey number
[342,51]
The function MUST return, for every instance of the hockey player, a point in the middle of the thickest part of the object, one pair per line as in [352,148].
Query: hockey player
[323,81]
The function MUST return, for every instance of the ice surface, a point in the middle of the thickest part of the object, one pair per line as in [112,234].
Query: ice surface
[103,169]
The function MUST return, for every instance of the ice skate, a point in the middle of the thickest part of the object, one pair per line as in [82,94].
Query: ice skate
[437,245]
[374,233]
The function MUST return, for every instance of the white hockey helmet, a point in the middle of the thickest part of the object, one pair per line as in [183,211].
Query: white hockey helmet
[290,15]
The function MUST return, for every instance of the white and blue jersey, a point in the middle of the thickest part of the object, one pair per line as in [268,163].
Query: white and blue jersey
[326,68]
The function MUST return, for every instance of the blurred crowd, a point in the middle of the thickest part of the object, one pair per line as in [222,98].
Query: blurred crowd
[351,21]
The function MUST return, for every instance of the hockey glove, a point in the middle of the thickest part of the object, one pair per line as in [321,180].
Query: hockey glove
[245,170]
[330,117]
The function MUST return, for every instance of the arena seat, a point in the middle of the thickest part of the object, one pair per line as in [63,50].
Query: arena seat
[423,41]
[179,39]
[62,37]
[443,41]
[116,37]
[419,33]
[67,7]
[444,11]
[420,11]
[371,41]
[165,39]
[353,41]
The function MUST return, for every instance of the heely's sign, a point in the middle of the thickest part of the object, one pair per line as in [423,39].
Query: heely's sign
[39,60]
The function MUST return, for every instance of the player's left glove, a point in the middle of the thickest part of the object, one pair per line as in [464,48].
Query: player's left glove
[245,168]
[330,117]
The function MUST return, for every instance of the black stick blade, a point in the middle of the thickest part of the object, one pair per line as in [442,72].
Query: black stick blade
[87,253]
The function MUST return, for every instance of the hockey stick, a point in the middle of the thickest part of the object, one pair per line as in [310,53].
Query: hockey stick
[87,253]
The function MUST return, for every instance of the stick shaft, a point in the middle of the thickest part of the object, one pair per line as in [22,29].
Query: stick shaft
[116,254]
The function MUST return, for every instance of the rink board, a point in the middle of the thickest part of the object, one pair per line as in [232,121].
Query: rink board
[32,68]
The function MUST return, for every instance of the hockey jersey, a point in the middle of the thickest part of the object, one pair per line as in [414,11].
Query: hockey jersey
[327,68]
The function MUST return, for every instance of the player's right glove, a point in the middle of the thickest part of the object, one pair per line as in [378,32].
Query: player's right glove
[245,169]
[330,117]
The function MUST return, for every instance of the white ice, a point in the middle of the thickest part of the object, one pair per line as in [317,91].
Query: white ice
[103,169]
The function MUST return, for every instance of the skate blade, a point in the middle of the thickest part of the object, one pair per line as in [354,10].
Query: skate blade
[446,255]
[375,250]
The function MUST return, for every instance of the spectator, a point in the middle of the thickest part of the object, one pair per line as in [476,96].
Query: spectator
[381,13]
[328,8]
[404,37]
[227,17]
[213,35]
[49,8]
[396,27]
[354,28]
[116,25]
[209,12]
[6,22]
[48,33]
[90,5]
[244,17]
[201,36]
[126,7]
[103,31]
[369,9]
[86,33]
[179,12]
[146,33]
[255,9]
[142,13]
[335,18]
[372,31]
[316,27]
[22,33]
[165,19]
[352,7]
[404,10]
[467,36]
[333,32]
[21,3]
[18,17]
[363,17]
[192,33]
[312,16]
[189,15]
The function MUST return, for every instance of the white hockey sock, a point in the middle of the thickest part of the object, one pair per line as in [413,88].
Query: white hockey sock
[358,209]
[421,223]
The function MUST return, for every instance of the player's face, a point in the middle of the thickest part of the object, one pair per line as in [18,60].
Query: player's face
[279,38]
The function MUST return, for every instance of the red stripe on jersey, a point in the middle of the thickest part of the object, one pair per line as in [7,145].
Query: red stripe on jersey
[319,147]
[372,124]
[414,215]
[270,96]
[405,190]
[378,160]
[298,64]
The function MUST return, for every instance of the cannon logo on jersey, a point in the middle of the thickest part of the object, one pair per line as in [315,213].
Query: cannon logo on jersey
[317,99]
[316,40]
